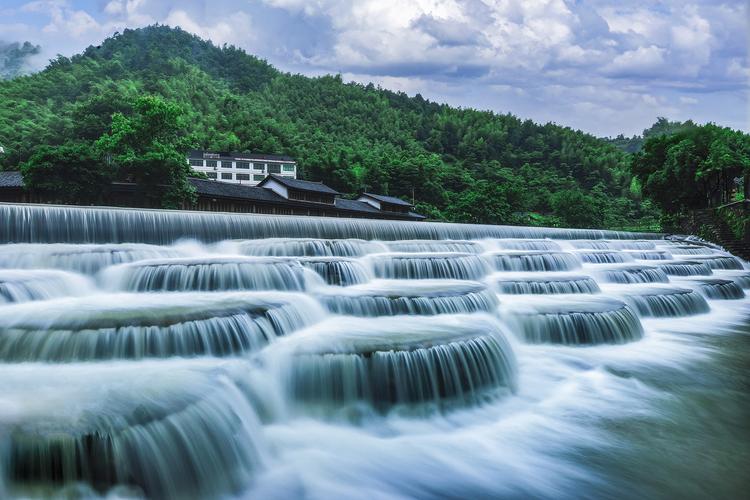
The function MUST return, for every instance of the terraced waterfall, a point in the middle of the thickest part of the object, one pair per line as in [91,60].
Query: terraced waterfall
[177,354]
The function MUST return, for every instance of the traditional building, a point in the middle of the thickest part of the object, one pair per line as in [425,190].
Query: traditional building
[275,195]
[241,168]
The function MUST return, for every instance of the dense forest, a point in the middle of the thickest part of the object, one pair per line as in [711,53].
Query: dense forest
[459,164]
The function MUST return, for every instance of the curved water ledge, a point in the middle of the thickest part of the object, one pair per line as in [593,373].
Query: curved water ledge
[424,246]
[28,285]
[135,326]
[63,224]
[308,247]
[87,259]
[208,274]
[629,273]
[338,270]
[684,268]
[533,260]
[163,430]
[603,256]
[401,360]
[574,320]
[428,266]
[428,297]
[542,283]
[717,289]
[660,301]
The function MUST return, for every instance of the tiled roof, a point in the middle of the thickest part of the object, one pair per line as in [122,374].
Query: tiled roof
[11,178]
[357,206]
[317,187]
[388,199]
[229,190]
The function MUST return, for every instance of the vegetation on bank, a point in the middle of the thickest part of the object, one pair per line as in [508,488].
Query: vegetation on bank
[87,120]
[695,167]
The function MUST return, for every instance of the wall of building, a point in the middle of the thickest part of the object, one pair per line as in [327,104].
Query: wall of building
[240,170]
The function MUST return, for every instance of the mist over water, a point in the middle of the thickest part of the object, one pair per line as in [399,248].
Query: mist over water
[177,355]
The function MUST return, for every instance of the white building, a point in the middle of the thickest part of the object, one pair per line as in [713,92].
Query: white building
[241,168]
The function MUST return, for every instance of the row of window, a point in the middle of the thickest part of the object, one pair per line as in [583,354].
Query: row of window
[273,168]
[228,176]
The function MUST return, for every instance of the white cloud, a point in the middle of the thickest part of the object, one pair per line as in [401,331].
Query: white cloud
[548,59]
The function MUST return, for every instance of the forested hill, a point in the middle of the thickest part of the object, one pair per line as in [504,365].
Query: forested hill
[459,164]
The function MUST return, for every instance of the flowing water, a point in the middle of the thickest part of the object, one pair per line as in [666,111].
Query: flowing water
[193,355]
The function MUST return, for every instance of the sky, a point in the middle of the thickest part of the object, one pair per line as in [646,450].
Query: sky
[603,66]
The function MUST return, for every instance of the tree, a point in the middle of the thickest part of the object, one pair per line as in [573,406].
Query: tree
[71,173]
[576,208]
[148,148]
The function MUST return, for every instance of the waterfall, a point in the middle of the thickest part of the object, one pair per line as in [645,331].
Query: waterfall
[684,268]
[175,354]
[428,266]
[718,289]
[338,271]
[534,261]
[61,224]
[163,430]
[23,286]
[632,274]
[662,301]
[423,246]
[389,298]
[544,284]
[402,360]
[309,247]
[603,257]
[592,321]
[649,254]
[208,274]
[87,259]
[136,326]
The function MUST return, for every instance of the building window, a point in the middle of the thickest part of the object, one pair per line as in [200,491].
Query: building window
[260,166]
[226,176]
[196,163]
[258,177]
[288,167]
[226,164]
[243,164]
[211,175]
[211,155]
[243,177]
[211,163]
[274,168]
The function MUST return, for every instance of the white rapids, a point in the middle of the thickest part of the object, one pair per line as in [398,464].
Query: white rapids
[160,354]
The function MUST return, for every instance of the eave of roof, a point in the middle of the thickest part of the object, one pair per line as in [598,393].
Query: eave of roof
[316,187]
[388,199]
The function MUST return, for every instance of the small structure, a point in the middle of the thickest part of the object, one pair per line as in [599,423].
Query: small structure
[294,189]
[241,168]
[386,203]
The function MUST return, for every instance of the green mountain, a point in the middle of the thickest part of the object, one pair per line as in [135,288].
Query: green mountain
[459,164]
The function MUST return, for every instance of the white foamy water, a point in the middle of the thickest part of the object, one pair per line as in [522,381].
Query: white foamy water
[191,355]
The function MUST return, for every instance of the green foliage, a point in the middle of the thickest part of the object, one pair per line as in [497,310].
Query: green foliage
[459,164]
[148,148]
[70,173]
[693,168]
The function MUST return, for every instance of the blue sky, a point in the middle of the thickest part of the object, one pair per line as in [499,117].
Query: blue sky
[603,66]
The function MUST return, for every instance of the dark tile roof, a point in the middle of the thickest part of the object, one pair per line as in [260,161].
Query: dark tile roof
[11,178]
[259,194]
[356,206]
[229,190]
[317,187]
[233,155]
[388,199]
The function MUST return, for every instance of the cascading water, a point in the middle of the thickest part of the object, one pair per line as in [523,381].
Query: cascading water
[192,355]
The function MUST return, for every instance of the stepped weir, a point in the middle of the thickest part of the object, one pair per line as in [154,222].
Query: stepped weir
[166,354]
